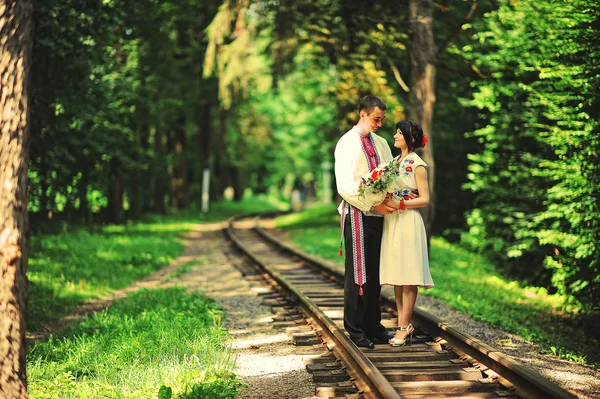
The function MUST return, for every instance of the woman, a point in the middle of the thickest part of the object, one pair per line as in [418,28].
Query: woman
[404,260]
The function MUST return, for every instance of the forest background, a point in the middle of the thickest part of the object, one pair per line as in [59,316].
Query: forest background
[132,101]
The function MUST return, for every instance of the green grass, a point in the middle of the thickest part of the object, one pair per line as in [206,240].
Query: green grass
[76,265]
[154,344]
[165,341]
[469,283]
[316,230]
[186,268]
[68,269]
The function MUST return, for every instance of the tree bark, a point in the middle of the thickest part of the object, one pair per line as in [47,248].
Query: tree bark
[178,172]
[145,181]
[422,51]
[85,211]
[15,61]
[115,191]
[220,167]
[160,185]
[238,185]
[204,143]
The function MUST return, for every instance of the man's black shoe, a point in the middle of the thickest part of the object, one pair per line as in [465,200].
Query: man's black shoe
[384,338]
[365,342]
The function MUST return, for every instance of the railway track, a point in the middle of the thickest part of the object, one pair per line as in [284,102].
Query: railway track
[442,362]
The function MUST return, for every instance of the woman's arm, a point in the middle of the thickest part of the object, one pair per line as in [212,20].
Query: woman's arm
[423,188]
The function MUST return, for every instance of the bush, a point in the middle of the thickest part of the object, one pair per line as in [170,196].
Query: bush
[537,178]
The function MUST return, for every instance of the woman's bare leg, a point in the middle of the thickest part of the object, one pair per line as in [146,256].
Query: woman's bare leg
[408,294]
[398,296]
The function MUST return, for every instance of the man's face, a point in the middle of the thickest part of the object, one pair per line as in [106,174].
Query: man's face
[375,119]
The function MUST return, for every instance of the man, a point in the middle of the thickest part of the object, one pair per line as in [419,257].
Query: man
[358,152]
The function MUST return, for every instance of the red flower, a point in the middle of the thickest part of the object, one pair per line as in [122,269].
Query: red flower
[409,169]
[411,161]
[425,140]
[406,197]
[375,174]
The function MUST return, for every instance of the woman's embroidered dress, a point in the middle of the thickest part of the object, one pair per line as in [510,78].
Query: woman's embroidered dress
[404,259]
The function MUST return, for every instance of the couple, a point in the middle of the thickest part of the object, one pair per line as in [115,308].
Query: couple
[385,242]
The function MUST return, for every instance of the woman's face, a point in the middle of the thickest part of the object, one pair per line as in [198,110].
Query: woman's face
[399,141]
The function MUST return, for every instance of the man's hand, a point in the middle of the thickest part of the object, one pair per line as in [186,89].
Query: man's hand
[384,209]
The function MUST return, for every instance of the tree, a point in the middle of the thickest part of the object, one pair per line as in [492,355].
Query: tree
[423,56]
[536,179]
[15,59]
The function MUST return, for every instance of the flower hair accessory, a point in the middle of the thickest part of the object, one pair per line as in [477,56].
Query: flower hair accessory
[425,140]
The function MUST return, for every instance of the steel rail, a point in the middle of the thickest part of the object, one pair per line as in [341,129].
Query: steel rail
[528,383]
[355,359]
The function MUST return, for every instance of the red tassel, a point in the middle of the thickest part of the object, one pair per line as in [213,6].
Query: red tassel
[360,291]
[341,253]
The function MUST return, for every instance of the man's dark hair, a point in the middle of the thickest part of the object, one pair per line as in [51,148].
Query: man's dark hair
[368,103]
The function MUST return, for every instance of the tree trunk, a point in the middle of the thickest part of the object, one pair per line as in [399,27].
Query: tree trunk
[137,180]
[144,177]
[422,51]
[15,60]
[85,211]
[220,176]
[115,191]
[238,185]
[204,142]
[178,172]
[44,200]
[183,167]
[159,168]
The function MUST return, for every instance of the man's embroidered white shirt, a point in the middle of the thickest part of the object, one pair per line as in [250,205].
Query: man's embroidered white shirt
[351,164]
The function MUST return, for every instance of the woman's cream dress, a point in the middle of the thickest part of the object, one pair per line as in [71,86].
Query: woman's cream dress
[404,259]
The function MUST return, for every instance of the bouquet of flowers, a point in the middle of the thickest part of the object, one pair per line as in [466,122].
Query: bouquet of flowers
[382,180]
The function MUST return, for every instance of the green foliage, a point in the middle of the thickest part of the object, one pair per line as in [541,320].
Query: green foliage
[165,392]
[82,89]
[126,115]
[71,266]
[68,269]
[315,229]
[154,338]
[536,178]
[298,119]
[116,89]
[469,283]
[218,389]
[291,115]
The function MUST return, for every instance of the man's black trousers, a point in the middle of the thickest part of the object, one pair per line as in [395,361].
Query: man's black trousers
[362,314]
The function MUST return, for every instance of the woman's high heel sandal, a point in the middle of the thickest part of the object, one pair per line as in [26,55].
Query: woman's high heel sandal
[401,342]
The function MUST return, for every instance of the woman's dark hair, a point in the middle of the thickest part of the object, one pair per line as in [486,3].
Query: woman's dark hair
[413,134]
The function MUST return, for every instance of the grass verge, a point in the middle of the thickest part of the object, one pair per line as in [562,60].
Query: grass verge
[162,343]
[469,283]
[156,343]
[76,265]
